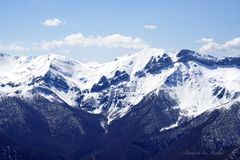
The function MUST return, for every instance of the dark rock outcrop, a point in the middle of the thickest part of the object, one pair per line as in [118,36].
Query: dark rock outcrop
[119,77]
[56,81]
[156,64]
[102,84]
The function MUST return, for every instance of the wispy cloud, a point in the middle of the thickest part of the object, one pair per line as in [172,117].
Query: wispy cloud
[204,40]
[54,22]
[109,41]
[150,26]
[13,47]
[231,47]
[78,40]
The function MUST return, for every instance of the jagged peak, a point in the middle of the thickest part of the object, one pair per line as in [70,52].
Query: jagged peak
[186,55]
[185,52]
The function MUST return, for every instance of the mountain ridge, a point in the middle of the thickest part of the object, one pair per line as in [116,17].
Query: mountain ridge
[122,82]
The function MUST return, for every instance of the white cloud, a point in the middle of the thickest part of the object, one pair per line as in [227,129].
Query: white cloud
[109,41]
[78,40]
[13,47]
[228,47]
[150,26]
[205,40]
[55,22]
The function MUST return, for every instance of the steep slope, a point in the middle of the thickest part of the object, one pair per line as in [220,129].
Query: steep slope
[53,128]
[213,134]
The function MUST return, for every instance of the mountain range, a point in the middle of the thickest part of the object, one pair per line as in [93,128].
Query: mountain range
[154,104]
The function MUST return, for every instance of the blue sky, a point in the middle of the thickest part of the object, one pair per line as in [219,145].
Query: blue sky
[100,30]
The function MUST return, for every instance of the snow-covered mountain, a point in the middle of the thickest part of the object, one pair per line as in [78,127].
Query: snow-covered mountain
[197,82]
[52,107]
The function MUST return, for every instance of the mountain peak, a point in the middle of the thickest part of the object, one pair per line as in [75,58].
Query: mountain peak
[208,60]
[185,52]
